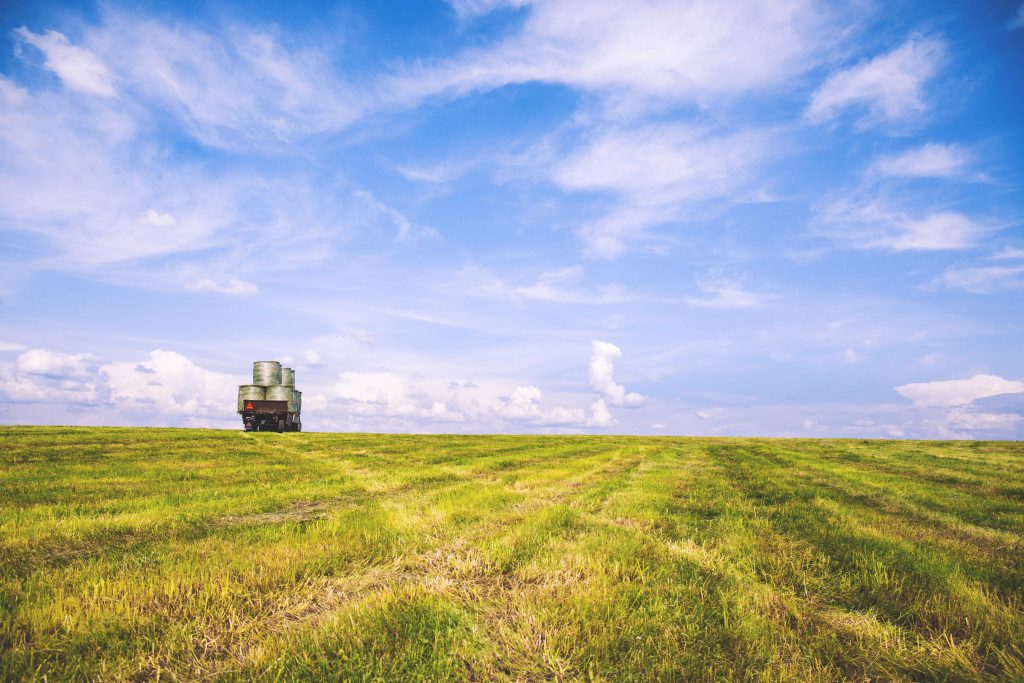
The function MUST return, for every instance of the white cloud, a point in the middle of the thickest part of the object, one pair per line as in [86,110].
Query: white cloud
[981,280]
[467,9]
[77,67]
[43,362]
[890,86]
[406,230]
[958,392]
[1009,253]
[876,226]
[233,287]
[86,182]
[154,218]
[72,178]
[1018,19]
[524,405]
[50,377]
[561,286]
[931,160]
[312,359]
[395,400]
[943,230]
[602,376]
[600,416]
[8,347]
[971,421]
[558,286]
[726,293]
[236,86]
[165,388]
[658,172]
[386,395]
[658,50]
[170,384]
[378,388]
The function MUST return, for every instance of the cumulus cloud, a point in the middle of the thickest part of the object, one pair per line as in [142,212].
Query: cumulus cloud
[386,394]
[890,86]
[51,363]
[958,392]
[165,388]
[79,68]
[602,376]
[388,400]
[931,160]
[50,377]
[171,384]
[525,405]
[600,416]
[232,286]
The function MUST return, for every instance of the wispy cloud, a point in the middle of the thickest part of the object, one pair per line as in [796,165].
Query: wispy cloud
[79,68]
[655,51]
[232,286]
[726,292]
[467,9]
[875,225]
[981,279]
[1017,21]
[237,86]
[561,286]
[657,172]
[931,160]
[890,86]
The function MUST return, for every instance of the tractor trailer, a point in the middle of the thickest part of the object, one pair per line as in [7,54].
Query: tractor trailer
[271,402]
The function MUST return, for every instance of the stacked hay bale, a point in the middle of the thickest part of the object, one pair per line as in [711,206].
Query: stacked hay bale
[271,382]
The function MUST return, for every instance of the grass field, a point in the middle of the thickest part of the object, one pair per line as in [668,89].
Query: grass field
[184,554]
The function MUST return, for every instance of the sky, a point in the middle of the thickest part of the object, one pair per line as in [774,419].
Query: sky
[766,218]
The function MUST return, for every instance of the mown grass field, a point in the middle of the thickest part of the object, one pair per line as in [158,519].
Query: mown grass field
[190,554]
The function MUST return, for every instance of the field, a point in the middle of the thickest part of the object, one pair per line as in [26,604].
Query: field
[183,554]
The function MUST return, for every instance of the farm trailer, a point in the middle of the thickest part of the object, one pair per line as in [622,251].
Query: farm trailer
[269,416]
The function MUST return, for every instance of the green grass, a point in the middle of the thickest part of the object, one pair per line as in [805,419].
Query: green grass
[132,554]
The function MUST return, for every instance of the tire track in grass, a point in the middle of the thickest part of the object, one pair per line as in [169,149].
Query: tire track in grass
[989,555]
[908,585]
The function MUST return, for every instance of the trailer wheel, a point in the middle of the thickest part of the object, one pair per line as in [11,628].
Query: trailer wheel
[280,426]
[298,426]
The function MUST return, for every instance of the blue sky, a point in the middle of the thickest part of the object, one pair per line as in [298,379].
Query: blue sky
[781,218]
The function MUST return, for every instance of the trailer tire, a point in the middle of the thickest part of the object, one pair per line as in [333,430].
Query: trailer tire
[280,426]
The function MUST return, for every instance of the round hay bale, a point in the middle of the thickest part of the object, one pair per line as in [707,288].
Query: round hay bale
[279,393]
[298,401]
[287,377]
[250,392]
[266,373]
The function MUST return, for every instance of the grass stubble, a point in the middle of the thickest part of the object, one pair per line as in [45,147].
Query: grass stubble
[145,554]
